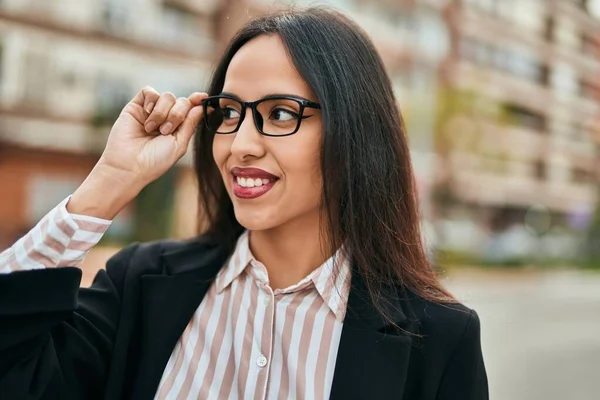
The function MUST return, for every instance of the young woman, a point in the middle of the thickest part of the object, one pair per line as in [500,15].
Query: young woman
[310,281]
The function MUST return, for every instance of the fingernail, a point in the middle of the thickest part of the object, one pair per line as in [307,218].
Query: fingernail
[150,107]
[150,126]
[165,129]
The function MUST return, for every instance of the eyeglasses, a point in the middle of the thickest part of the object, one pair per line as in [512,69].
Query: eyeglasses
[276,115]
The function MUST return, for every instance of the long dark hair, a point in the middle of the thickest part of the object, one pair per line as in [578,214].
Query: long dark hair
[369,195]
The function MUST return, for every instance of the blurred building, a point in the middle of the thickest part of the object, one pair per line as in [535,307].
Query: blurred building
[519,127]
[499,97]
[66,69]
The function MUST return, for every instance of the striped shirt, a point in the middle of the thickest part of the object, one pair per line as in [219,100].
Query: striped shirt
[60,239]
[245,340]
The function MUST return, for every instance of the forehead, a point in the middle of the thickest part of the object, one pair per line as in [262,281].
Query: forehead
[262,66]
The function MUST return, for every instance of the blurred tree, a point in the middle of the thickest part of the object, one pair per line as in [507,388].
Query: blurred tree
[153,209]
[593,240]
[460,121]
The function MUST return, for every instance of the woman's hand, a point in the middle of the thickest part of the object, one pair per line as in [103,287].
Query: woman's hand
[151,133]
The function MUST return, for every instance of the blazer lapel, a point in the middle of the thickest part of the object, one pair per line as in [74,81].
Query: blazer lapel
[168,303]
[372,358]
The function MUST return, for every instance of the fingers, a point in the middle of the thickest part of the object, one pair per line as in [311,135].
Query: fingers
[166,113]
[185,132]
[188,127]
[151,96]
[146,98]
[197,97]
[194,115]
[160,112]
[176,116]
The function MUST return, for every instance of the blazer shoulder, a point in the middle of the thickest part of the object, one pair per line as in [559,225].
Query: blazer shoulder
[443,322]
[139,259]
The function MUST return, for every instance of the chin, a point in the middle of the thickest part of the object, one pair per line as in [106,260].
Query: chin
[255,220]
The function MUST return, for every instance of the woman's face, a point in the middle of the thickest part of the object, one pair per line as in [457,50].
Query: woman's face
[286,183]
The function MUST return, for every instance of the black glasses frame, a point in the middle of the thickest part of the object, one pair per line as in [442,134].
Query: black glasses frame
[303,103]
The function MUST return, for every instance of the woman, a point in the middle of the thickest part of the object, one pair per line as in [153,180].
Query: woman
[310,280]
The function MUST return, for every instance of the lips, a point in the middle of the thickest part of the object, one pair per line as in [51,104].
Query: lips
[251,172]
[250,183]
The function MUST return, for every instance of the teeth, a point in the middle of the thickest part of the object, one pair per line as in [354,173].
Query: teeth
[249,182]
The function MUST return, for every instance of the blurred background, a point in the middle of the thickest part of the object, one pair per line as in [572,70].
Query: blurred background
[501,99]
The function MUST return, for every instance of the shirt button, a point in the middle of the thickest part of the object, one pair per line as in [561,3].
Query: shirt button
[267,300]
[261,361]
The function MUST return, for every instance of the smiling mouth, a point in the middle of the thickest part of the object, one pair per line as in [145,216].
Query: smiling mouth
[249,188]
[250,183]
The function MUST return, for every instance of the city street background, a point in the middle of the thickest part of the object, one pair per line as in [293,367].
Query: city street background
[501,99]
[540,332]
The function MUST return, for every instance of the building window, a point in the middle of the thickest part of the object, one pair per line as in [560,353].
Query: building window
[581,175]
[512,61]
[523,117]
[549,28]
[524,66]
[545,75]
[540,170]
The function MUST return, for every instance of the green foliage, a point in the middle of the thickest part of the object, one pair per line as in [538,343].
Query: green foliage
[153,213]
[592,253]
[103,118]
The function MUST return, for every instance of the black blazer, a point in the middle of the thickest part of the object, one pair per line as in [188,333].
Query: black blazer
[113,340]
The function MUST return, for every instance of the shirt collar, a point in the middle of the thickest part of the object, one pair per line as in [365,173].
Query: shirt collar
[331,279]
[235,265]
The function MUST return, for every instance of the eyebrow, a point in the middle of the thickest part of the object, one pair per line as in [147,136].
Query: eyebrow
[269,95]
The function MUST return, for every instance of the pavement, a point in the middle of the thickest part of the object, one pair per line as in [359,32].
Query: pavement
[540,331]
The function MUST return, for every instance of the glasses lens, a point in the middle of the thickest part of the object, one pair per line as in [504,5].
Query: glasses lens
[278,116]
[222,114]
[274,116]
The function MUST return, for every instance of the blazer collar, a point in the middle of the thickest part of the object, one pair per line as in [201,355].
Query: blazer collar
[373,355]
[198,256]
[168,302]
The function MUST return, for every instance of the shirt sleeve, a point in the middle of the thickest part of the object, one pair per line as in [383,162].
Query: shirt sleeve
[59,239]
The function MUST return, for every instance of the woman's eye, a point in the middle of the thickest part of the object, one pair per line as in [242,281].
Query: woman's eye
[229,113]
[283,115]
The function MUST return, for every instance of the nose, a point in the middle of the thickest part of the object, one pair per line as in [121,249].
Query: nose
[247,141]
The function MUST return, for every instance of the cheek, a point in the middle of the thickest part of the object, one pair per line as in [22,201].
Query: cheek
[303,170]
[221,148]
